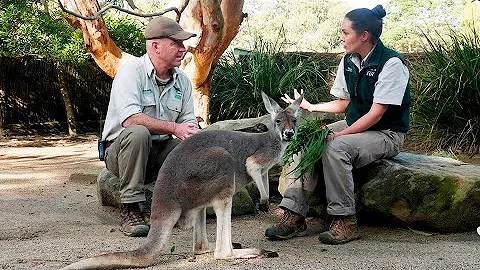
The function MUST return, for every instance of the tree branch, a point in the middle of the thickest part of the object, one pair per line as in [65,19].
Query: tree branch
[109,6]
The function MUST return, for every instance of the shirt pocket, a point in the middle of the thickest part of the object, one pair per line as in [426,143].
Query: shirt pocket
[148,102]
[174,105]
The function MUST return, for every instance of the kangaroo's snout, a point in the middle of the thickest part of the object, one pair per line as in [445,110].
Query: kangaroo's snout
[288,135]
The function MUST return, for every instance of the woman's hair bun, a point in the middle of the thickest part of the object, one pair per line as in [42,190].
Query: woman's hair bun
[379,11]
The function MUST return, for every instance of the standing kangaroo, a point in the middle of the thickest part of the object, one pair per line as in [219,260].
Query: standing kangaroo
[207,169]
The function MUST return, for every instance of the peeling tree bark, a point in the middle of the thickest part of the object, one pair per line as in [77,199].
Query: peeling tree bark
[216,23]
[95,35]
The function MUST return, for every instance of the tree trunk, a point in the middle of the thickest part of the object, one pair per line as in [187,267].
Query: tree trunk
[215,22]
[71,123]
[2,111]
[95,35]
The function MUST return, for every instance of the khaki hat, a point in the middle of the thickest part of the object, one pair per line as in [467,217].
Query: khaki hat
[163,27]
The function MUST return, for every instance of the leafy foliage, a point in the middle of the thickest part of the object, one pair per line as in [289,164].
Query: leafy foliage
[239,80]
[406,19]
[309,25]
[447,96]
[311,142]
[25,30]
[127,34]
[314,25]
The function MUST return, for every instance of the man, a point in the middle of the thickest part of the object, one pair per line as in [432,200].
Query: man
[150,102]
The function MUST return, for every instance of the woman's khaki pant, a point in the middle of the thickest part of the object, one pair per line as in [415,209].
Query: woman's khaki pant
[342,155]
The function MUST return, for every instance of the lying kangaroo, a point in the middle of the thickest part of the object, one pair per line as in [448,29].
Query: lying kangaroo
[207,169]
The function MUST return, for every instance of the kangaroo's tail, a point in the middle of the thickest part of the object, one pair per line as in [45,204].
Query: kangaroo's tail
[148,254]
[113,261]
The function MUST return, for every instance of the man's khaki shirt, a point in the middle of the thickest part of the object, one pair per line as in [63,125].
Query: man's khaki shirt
[135,90]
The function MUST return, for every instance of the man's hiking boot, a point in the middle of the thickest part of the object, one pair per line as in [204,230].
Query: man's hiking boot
[290,226]
[342,230]
[146,211]
[132,222]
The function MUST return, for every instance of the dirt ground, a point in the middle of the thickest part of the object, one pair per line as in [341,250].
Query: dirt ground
[50,217]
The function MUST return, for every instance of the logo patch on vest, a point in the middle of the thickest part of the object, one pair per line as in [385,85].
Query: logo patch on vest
[349,69]
[371,72]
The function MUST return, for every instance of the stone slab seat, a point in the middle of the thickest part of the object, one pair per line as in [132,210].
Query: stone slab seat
[425,192]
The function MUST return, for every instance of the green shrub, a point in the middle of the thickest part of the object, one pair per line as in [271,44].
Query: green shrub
[239,80]
[446,92]
[127,34]
[25,30]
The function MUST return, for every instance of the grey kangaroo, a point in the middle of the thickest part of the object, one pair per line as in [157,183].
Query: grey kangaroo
[207,169]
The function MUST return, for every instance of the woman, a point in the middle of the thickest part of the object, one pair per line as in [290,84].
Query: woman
[371,87]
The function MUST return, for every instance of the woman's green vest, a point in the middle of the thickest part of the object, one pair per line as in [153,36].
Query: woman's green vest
[361,85]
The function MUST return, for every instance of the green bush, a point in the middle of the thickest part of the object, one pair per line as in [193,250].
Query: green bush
[25,30]
[127,34]
[446,92]
[239,80]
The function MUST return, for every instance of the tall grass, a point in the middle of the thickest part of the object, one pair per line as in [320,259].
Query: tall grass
[446,111]
[239,80]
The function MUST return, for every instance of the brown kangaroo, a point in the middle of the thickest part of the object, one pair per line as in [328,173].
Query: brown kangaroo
[207,169]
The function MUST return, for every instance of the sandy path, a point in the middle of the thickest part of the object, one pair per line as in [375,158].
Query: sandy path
[50,216]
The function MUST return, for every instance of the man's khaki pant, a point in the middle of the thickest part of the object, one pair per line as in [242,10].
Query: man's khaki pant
[342,155]
[136,160]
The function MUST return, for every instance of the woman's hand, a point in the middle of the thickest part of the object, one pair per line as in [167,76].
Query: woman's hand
[304,105]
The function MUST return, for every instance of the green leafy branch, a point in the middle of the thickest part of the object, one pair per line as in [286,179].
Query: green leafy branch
[311,140]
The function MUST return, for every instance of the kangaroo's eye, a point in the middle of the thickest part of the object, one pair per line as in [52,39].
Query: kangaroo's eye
[278,121]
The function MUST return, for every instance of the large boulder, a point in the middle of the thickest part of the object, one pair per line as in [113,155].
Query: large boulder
[426,192]
[418,191]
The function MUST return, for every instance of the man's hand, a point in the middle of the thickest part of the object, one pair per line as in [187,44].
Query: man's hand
[185,130]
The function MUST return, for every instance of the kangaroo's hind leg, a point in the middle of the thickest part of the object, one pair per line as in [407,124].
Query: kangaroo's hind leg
[223,247]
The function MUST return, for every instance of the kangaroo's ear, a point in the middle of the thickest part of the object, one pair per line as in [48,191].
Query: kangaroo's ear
[296,104]
[270,104]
